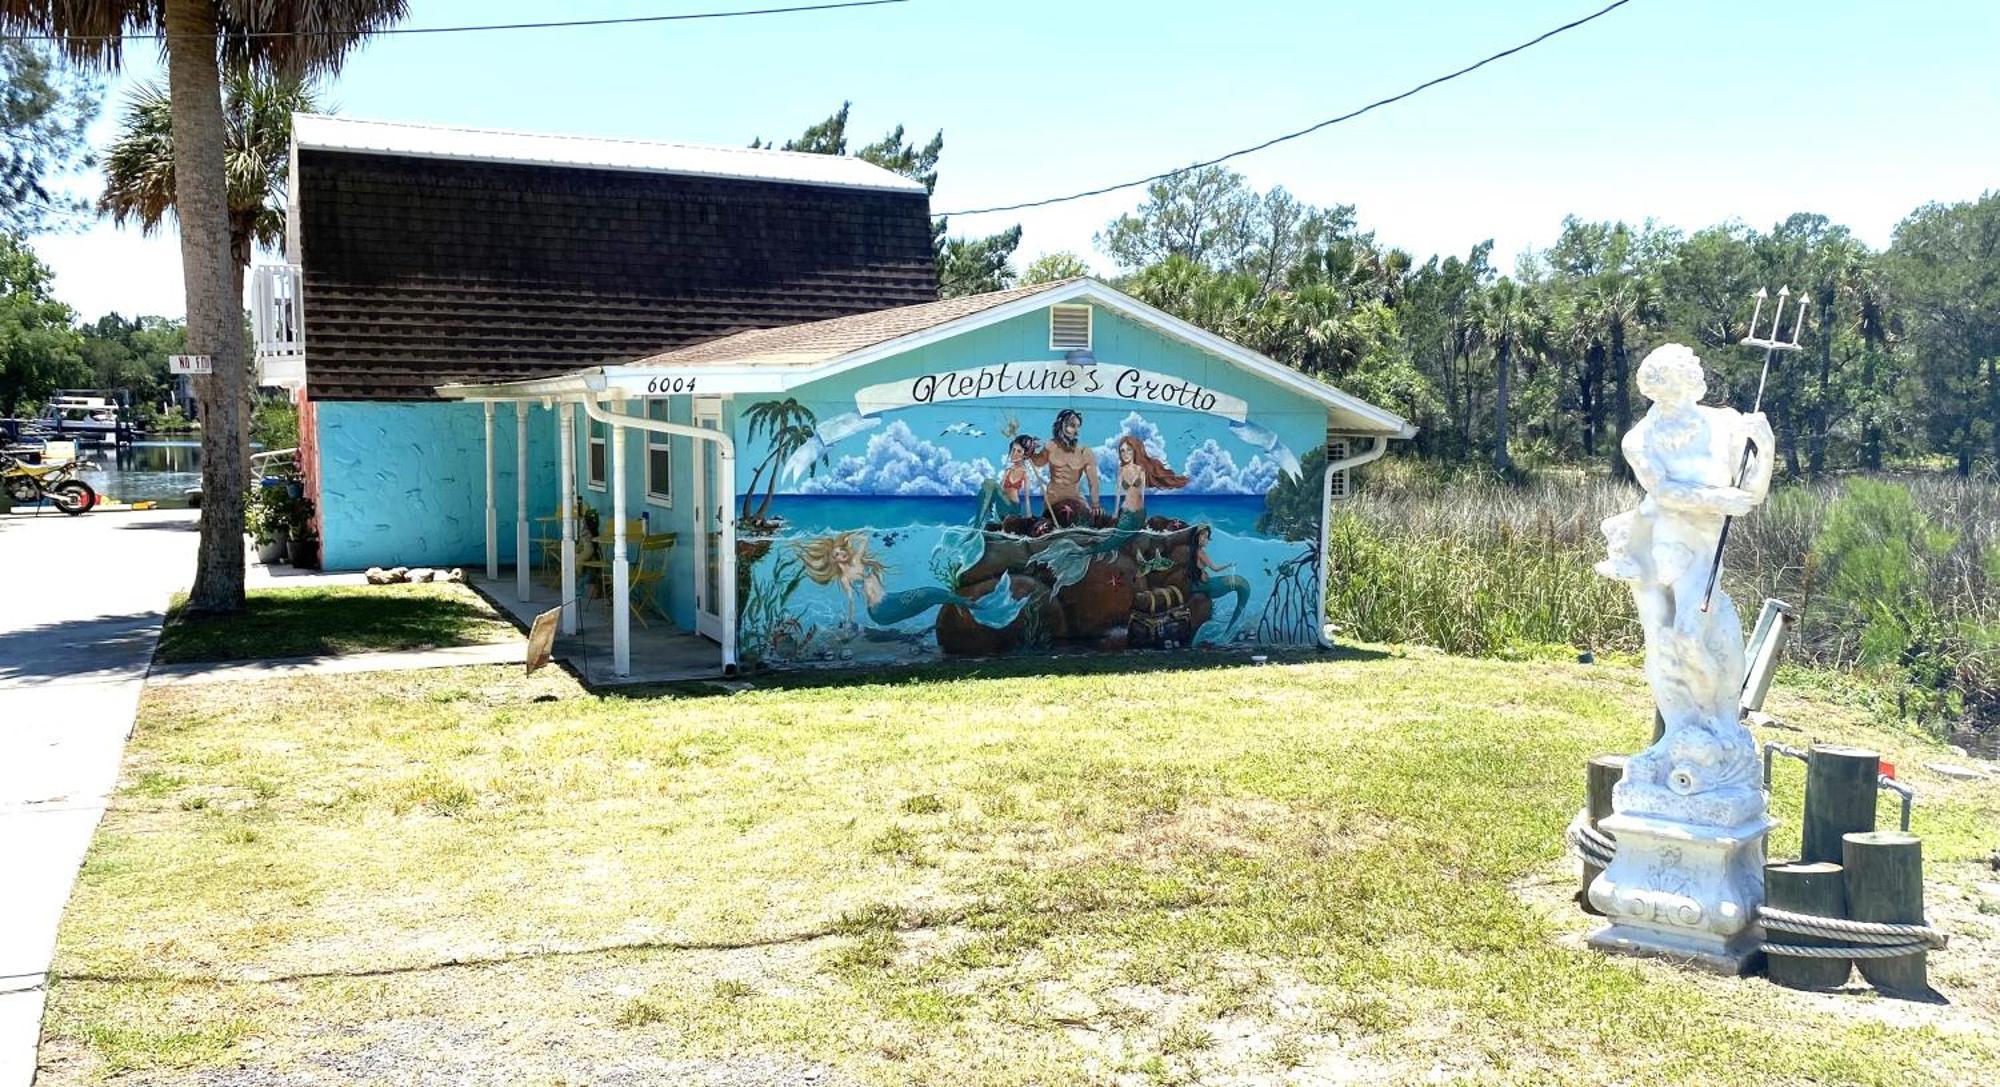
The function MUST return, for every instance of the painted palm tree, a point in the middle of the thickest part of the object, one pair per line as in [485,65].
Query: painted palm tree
[788,425]
[257,110]
[201,39]
[1507,320]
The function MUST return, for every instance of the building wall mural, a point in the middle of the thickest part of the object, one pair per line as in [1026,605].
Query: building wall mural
[983,495]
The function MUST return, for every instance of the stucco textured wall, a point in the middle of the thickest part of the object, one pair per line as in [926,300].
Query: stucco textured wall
[405,484]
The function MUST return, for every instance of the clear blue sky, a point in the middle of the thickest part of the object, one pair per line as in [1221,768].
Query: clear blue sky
[1687,111]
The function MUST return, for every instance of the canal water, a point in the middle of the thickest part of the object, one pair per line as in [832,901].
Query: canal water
[145,471]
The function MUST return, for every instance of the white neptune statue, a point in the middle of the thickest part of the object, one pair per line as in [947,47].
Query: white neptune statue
[1690,812]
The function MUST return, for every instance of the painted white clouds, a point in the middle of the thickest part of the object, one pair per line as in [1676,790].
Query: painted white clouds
[898,462]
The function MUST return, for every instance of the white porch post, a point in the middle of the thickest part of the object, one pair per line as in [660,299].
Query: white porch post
[621,588]
[523,560]
[492,516]
[566,440]
[726,483]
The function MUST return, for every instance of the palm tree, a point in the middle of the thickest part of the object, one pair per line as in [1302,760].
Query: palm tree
[201,37]
[1625,303]
[1507,319]
[789,426]
[257,110]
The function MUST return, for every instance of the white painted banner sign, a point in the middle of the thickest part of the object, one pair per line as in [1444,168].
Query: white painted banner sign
[1051,378]
[188,364]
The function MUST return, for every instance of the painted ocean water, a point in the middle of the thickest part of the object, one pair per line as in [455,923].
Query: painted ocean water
[808,514]
[918,541]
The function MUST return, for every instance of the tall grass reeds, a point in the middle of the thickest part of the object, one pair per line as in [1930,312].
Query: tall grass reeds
[1897,576]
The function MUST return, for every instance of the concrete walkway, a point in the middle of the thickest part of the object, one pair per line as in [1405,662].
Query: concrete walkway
[79,612]
[511,651]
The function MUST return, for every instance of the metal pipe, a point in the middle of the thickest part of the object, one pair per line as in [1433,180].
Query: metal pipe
[1907,792]
[1773,747]
[1374,453]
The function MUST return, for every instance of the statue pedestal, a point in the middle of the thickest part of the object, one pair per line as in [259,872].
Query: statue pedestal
[1683,891]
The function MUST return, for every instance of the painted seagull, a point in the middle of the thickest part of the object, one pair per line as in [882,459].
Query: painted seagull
[1263,439]
[966,429]
[827,434]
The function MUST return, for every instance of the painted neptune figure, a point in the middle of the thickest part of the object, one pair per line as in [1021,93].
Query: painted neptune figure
[1690,810]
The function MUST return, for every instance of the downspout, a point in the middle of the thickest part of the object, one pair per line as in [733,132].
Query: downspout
[725,470]
[1356,460]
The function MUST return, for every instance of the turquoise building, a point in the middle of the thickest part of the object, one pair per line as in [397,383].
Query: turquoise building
[1052,468]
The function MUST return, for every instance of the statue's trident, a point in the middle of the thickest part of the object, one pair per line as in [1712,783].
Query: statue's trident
[1772,344]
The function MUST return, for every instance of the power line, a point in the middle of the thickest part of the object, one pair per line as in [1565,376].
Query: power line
[1275,140]
[619,21]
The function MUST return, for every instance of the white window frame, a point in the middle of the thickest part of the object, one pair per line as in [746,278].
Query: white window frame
[1089,326]
[592,458]
[661,495]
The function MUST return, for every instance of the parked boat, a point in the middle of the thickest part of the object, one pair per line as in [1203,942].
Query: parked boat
[87,415]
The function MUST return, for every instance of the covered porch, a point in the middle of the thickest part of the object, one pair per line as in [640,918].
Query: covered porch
[633,607]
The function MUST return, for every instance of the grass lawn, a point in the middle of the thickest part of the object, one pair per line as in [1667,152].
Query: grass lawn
[332,620]
[1343,871]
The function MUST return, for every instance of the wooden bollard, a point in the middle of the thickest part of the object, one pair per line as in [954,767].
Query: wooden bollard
[1840,799]
[1605,770]
[1885,884]
[1818,889]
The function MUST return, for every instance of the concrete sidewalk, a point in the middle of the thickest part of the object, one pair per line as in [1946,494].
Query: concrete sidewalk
[78,620]
[512,651]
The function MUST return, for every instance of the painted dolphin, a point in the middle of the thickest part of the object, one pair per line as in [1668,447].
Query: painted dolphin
[829,433]
[1264,439]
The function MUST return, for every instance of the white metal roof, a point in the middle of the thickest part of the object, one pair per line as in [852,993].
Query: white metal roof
[314,131]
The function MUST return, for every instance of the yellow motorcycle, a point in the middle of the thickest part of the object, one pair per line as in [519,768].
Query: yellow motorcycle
[56,483]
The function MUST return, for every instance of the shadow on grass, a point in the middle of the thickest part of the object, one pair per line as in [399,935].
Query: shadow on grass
[318,622]
[1081,664]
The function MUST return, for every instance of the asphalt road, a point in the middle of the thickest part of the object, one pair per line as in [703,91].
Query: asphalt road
[80,606]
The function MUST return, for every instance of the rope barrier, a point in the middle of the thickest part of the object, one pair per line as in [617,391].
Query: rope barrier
[1589,843]
[1865,939]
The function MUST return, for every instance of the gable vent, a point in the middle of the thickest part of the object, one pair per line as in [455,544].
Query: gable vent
[1069,328]
[1336,450]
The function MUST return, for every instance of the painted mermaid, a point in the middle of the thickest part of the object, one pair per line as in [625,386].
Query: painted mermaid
[842,559]
[1139,469]
[1208,578]
[1012,495]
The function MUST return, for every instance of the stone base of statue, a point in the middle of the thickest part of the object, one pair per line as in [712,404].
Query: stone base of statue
[1682,891]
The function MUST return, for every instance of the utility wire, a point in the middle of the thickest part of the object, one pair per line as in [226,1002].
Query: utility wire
[619,21]
[1275,140]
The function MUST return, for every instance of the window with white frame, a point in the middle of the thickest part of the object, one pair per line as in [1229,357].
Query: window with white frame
[659,458]
[595,462]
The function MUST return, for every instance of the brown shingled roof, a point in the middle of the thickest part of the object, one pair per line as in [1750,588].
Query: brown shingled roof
[818,341]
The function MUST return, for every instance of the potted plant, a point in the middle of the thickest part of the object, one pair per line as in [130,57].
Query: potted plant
[304,546]
[266,519]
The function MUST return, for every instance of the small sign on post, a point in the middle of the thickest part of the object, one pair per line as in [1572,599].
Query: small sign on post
[189,364]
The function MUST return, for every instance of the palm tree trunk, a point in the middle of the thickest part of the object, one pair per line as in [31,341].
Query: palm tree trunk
[1621,400]
[1503,365]
[214,320]
[1816,461]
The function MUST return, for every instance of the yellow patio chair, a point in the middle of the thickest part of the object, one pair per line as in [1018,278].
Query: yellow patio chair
[648,574]
[598,569]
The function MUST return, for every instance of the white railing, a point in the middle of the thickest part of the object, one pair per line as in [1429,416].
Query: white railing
[277,312]
[277,320]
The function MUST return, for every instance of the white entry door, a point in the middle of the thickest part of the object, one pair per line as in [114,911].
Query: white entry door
[711,495]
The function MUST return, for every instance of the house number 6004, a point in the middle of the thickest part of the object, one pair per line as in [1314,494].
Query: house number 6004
[669,384]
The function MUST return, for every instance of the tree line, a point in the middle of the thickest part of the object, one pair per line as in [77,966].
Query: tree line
[1901,346]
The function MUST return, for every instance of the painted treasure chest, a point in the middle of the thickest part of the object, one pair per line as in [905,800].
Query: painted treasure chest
[1160,618]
